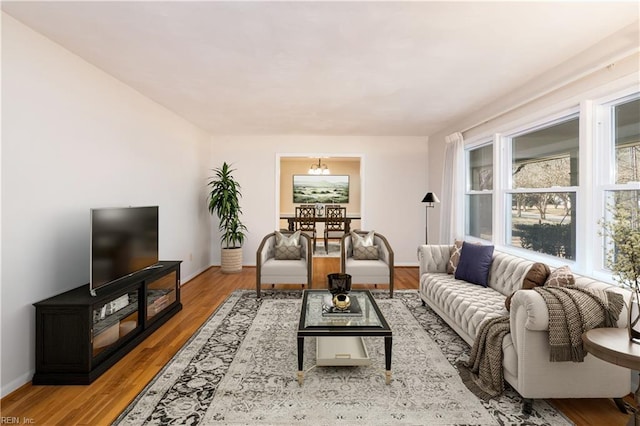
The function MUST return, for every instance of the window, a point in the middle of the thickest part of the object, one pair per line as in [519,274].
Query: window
[626,206]
[479,196]
[627,141]
[622,191]
[542,194]
[542,189]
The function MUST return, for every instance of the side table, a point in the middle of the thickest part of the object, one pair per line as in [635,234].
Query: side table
[613,345]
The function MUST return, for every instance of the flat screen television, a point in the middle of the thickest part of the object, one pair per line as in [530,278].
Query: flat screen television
[123,241]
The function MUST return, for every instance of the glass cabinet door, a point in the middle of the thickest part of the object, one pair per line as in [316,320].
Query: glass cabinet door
[161,294]
[114,320]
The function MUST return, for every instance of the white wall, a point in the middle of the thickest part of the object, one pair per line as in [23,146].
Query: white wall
[74,138]
[607,67]
[394,181]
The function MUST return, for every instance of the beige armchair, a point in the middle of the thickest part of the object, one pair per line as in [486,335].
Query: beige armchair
[270,270]
[368,271]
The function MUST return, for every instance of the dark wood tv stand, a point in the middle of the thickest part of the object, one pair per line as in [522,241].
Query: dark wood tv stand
[79,336]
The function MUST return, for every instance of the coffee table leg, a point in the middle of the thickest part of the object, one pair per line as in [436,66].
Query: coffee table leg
[387,358]
[300,359]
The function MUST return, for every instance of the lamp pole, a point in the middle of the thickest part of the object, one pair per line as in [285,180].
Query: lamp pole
[426,223]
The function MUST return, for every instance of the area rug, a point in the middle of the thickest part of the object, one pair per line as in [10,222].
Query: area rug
[334,249]
[240,368]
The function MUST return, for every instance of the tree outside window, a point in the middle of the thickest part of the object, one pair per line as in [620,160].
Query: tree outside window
[543,190]
[622,221]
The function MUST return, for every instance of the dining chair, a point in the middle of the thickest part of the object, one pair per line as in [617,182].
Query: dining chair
[335,226]
[306,222]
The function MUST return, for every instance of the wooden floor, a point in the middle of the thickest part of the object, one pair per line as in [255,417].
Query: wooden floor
[102,401]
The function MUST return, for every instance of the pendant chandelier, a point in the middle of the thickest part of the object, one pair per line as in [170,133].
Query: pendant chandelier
[319,169]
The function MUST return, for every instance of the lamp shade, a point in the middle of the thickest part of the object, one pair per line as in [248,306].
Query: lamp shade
[430,198]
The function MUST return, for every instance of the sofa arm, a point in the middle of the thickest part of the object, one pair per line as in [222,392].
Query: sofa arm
[529,313]
[433,258]
[533,309]
[530,306]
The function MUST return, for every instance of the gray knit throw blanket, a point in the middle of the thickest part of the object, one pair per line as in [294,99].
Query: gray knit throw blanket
[573,311]
[482,373]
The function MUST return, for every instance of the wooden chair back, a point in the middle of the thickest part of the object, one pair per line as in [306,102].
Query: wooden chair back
[306,218]
[335,218]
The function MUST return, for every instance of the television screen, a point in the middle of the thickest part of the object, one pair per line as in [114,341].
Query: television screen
[123,241]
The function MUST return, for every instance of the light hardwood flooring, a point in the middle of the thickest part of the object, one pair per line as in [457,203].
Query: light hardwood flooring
[102,401]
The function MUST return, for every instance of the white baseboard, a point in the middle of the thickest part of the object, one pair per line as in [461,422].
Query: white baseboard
[403,264]
[188,278]
[16,384]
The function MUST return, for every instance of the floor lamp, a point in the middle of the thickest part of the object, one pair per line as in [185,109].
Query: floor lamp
[430,199]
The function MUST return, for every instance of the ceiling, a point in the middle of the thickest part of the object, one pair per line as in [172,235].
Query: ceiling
[326,68]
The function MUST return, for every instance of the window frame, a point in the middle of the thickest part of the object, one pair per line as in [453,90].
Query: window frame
[596,145]
[604,147]
[508,190]
[469,147]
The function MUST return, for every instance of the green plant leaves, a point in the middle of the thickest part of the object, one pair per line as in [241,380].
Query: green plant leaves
[623,229]
[224,202]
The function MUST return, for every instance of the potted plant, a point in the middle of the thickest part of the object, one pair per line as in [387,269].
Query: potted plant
[623,255]
[224,201]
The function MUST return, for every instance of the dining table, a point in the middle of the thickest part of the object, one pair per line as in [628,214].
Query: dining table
[291,220]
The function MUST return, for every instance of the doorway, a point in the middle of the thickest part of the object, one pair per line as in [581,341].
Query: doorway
[344,169]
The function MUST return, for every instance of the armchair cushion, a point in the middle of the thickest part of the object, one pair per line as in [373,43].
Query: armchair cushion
[367,271]
[366,253]
[475,261]
[280,270]
[288,252]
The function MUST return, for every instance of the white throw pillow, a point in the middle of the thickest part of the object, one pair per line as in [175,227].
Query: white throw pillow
[287,241]
[362,241]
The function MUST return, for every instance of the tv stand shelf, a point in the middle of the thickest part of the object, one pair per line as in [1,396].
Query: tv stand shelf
[79,336]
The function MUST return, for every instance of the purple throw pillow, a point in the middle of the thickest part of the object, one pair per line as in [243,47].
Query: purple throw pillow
[475,261]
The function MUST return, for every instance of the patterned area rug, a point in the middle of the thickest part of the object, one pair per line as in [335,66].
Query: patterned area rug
[240,368]
[334,249]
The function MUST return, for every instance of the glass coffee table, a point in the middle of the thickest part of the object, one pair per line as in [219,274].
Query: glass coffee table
[370,322]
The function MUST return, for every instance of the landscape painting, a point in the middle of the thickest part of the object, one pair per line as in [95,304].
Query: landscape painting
[325,189]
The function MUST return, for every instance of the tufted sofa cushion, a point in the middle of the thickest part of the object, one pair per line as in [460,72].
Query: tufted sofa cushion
[467,304]
[434,258]
[507,271]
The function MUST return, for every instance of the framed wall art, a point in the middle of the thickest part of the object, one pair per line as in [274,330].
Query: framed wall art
[325,189]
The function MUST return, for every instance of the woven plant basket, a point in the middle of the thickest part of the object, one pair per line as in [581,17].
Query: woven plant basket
[231,260]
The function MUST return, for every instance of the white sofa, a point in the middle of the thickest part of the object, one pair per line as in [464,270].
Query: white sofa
[526,348]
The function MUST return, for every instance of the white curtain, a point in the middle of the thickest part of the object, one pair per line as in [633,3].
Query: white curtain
[452,202]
